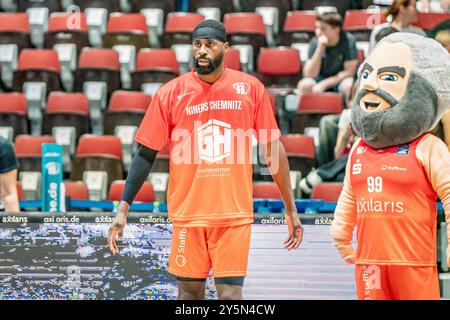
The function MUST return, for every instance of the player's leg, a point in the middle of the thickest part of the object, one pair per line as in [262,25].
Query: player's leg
[229,248]
[191,288]
[189,262]
[414,283]
[229,288]
[371,282]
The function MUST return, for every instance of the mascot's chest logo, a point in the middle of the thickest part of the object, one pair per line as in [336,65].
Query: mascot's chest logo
[403,150]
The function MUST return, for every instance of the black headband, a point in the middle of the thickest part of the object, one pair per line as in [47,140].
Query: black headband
[206,32]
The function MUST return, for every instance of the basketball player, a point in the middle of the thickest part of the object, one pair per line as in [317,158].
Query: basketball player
[208,116]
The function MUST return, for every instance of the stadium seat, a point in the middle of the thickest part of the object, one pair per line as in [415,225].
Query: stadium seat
[300,151]
[178,36]
[14,36]
[361,56]
[28,151]
[361,23]
[231,59]
[211,9]
[98,162]
[67,34]
[312,107]
[109,5]
[341,6]
[67,118]
[246,32]
[51,5]
[154,67]
[13,115]
[273,13]
[279,67]
[38,66]
[266,190]
[155,12]
[76,190]
[298,30]
[327,191]
[145,194]
[125,112]
[429,20]
[67,28]
[98,76]
[127,34]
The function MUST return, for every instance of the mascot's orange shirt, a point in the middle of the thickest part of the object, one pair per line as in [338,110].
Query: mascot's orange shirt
[210,127]
[390,195]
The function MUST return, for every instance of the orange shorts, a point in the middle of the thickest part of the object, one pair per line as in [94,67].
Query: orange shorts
[381,282]
[197,250]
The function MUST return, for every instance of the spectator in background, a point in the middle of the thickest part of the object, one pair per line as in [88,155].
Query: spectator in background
[443,37]
[332,58]
[425,6]
[8,176]
[403,14]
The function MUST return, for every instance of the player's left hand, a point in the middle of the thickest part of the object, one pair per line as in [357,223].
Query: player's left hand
[295,231]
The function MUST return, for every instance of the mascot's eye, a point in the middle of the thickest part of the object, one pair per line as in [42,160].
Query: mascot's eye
[389,77]
[365,74]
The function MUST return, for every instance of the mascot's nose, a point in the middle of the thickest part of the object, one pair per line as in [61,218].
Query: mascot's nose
[371,83]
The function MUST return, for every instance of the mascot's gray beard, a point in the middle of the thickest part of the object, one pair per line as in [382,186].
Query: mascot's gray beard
[405,121]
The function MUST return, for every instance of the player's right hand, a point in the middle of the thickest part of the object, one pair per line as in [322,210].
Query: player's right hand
[323,41]
[117,227]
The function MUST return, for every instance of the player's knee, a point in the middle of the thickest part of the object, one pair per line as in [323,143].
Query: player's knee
[306,85]
[184,294]
[230,293]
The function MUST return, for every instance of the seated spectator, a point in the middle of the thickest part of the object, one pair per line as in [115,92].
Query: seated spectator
[443,37]
[8,176]
[332,58]
[402,14]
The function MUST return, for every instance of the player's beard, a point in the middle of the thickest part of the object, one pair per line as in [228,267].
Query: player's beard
[403,122]
[212,65]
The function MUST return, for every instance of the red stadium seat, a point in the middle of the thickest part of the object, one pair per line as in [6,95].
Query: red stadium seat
[126,108]
[283,7]
[52,5]
[28,150]
[167,5]
[279,66]
[266,190]
[429,20]
[361,22]
[38,66]
[14,113]
[67,110]
[145,194]
[126,29]
[341,5]
[246,28]
[98,153]
[312,107]
[76,190]
[299,28]
[179,27]
[98,65]
[327,191]
[67,28]
[15,29]
[154,66]
[231,59]
[301,152]
[109,5]
[361,56]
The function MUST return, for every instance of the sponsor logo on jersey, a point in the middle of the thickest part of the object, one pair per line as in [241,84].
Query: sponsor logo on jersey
[184,94]
[361,150]
[403,150]
[357,167]
[385,167]
[214,140]
[241,87]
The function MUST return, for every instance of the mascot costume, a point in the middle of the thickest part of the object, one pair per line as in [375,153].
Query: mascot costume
[396,170]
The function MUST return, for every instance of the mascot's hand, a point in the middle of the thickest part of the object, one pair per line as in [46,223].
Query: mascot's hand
[346,252]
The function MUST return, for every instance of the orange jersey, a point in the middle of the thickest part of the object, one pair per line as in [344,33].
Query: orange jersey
[209,128]
[390,196]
